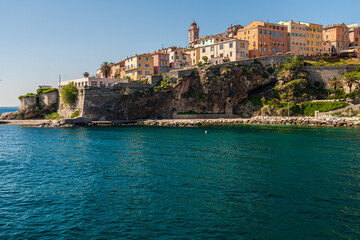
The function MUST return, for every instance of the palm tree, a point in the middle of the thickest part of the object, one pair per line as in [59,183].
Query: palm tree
[105,69]
[350,79]
[335,83]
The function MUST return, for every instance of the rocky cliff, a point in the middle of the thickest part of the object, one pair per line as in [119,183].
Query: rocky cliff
[34,106]
[212,89]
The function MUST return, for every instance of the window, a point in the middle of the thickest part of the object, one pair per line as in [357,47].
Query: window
[231,45]
[211,49]
[139,58]
[177,57]
[221,47]
[230,54]
[203,50]
[184,58]
[147,65]
[172,57]
[139,64]
[147,59]
[140,72]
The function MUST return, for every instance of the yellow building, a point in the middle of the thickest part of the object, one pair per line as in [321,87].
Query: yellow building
[139,66]
[314,39]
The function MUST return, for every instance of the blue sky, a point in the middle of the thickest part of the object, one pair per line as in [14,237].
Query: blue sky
[41,39]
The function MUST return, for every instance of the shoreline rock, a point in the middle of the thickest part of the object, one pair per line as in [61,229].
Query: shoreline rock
[265,120]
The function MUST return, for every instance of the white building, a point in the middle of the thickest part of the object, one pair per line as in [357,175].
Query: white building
[93,82]
[220,52]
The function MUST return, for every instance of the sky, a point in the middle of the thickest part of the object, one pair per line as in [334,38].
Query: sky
[42,39]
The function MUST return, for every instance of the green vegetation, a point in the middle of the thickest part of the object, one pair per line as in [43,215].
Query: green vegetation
[293,63]
[206,59]
[309,108]
[247,69]
[162,85]
[335,83]
[69,94]
[75,114]
[54,116]
[46,90]
[28,95]
[270,70]
[328,61]
[142,81]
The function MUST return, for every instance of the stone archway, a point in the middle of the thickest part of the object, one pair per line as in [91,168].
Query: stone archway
[173,113]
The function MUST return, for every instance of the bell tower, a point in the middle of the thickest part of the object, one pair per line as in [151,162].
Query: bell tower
[194,31]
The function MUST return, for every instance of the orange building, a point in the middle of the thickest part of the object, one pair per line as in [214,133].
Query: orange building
[354,35]
[297,37]
[265,39]
[314,39]
[338,35]
[118,70]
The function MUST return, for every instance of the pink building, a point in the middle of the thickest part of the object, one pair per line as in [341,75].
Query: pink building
[161,62]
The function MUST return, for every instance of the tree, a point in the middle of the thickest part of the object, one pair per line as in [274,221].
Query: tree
[350,79]
[294,63]
[335,83]
[205,58]
[105,69]
[69,94]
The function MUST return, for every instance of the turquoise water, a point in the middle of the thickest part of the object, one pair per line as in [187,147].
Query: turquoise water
[245,182]
[8,109]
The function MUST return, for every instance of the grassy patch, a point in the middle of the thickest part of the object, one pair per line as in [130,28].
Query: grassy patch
[309,108]
[28,95]
[75,114]
[46,90]
[54,116]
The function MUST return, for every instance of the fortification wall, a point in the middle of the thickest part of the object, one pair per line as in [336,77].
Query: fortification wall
[27,103]
[322,74]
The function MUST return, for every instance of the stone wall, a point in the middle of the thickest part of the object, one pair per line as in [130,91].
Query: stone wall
[322,74]
[27,103]
[203,116]
[67,110]
[49,98]
[180,73]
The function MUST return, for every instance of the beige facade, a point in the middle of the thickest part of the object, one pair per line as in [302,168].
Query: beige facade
[220,52]
[139,66]
[297,37]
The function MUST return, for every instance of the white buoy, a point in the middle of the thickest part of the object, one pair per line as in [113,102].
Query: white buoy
[205,132]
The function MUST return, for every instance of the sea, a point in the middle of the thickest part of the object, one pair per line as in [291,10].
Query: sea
[147,182]
[8,109]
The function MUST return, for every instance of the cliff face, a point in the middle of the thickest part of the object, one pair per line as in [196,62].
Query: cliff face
[214,89]
[34,107]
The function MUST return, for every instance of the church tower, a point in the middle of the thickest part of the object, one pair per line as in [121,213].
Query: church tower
[194,31]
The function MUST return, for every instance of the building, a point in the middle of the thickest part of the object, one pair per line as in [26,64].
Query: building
[265,39]
[354,35]
[233,30]
[194,33]
[338,35]
[220,52]
[178,58]
[326,48]
[118,70]
[93,82]
[297,37]
[139,66]
[161,62]
[314,39]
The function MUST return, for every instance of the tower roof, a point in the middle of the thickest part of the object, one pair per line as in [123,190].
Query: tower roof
[194,24]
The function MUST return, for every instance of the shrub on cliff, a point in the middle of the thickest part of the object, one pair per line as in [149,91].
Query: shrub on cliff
[46,90]
[69,94]
[28,95]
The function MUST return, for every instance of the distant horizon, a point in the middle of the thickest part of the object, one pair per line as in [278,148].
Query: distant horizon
[42,40]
